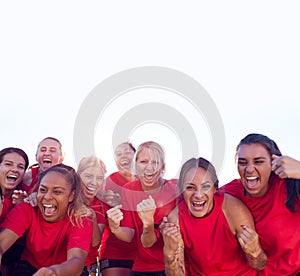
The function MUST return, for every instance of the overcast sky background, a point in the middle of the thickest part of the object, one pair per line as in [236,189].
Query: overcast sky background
[245,54]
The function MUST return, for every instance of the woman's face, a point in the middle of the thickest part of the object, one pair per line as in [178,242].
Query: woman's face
[48,154]
[123,157]
[149,167]
[254,167]
[54,195]
[92,180]
[12,169]
[198,192]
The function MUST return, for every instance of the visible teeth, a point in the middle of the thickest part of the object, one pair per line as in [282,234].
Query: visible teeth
[12,176]
[148,174]
[199,202]
[47,160]
[125,162]
[48,205]
[91,189]
[251,178]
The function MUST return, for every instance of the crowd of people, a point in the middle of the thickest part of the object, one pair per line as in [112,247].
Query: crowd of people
[60,220]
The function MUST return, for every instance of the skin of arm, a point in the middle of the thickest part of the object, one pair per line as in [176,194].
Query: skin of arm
[7,238]
[73,266]
[146,209]
[173,245]
[241,224]
[115,216]
[285,166]
[97,230]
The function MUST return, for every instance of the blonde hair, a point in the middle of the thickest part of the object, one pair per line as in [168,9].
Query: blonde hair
[154,147]
[90,161]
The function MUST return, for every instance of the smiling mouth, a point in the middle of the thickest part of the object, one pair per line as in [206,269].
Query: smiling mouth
[12,177]
[252,182]
[49,209]
[199,204]
[47,161]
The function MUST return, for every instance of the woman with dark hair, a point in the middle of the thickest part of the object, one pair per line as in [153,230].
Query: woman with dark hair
[58,230]
[274,202]
[13,164]
[116,256]
[214,232]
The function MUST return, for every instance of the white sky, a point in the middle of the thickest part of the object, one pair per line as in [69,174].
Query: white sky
[244,53]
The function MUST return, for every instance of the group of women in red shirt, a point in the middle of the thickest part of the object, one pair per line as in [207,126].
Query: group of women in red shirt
[139,223]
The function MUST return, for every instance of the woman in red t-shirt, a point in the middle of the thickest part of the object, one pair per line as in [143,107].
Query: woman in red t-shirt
[274,202]
[58,230]
[92,174]
[217,229]
[116,256]
[145,202]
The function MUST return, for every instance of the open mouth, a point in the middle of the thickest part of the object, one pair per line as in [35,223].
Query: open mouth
[49,209]
[47,161]
[90,190]
[252,182]
[12,178]
[199,205]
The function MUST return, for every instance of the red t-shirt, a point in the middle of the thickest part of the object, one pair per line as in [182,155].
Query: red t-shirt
[100,209]
[47,243]
[210,246]
[34,180]
[7,206]
[277,227]
[111,247]
[148,259]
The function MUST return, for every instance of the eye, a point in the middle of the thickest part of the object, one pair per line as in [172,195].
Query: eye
[190,188]
[242,163]
[57,192]
[22,167]
[42,190]
[206,187]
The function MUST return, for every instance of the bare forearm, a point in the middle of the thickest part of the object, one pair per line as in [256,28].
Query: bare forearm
[123,233]
[174,265]
[148,237]
[259,261]
[71,267]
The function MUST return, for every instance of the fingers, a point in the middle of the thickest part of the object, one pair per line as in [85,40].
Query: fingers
[146,204]
[115,214]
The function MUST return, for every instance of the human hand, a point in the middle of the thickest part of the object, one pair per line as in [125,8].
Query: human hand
[171,236]
[249,241]
[285,166]
[111,198]
[146,209]
[115,216]
[18,196]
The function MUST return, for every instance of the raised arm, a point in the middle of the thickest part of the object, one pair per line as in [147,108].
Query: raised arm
[115,216]
[146,209]
[285,166]
[173,248]
[241,224]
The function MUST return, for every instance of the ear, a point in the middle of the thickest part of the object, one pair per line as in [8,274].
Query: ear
[62,157]
[71,196]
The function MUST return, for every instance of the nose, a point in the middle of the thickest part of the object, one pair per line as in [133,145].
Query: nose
[198,193]
[47,195]
[250,167]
